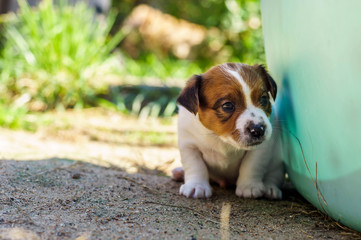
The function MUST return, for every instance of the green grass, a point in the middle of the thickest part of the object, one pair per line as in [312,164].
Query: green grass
[52,54]
[18,117]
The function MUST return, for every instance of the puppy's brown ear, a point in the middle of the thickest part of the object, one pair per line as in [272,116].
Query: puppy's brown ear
[270,83]
[189,97]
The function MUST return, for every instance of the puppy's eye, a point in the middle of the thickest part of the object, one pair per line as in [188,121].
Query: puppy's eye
[228,107]
[263,100]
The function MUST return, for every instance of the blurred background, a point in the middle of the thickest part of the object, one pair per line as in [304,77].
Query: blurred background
[129,56]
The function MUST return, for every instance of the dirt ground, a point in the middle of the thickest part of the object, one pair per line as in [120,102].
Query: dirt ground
[100,175]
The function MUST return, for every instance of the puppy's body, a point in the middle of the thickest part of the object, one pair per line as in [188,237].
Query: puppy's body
[224,134]
[221,159]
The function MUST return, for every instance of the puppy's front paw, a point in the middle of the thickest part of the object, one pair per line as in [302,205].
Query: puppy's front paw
[196,189]
[250,190]
[272,191]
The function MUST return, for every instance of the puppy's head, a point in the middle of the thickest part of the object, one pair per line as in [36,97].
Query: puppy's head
[233,100]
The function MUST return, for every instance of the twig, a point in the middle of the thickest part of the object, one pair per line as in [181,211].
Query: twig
[342,227]
[346,230]
[318,195]
[311,237]
[309,171]
[310,212]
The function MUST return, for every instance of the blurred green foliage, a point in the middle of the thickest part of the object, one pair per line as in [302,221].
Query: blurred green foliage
[150,65]
[238,22]
[51,54]
[55,55]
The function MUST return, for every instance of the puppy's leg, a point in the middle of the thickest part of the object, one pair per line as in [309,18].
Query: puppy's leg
[250,179]
[274,177]
[196,179]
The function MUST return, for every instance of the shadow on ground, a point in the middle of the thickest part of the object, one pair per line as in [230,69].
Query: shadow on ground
[65,199]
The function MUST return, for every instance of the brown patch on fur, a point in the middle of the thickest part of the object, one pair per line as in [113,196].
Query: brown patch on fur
[267,79]
[233,66]
[188,98]
[236,135]
[205,95]
[218,87]
[259,91]
[250,77]
[258,80]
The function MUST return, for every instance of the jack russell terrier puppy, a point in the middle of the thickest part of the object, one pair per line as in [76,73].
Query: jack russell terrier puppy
[225,133]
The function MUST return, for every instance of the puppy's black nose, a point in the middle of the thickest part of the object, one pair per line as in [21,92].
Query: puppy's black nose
[256,130]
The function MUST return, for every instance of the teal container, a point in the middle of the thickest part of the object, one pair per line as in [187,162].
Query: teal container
[313,51]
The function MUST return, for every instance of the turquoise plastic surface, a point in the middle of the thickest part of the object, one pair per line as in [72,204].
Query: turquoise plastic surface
[313,51]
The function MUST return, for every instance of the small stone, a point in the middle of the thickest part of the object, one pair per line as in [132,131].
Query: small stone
[76,175]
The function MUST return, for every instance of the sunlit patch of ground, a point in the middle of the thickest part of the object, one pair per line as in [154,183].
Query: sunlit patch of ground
[98,136]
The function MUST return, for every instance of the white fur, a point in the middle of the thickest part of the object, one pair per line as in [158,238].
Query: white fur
[256,115]
[252,113]
[206,156]
[246,90]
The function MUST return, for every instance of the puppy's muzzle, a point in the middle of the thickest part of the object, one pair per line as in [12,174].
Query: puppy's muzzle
[255,133]
[256,130]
